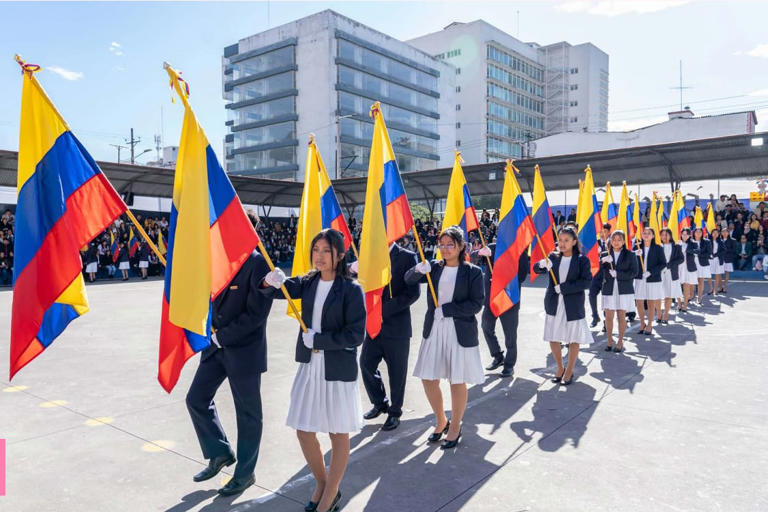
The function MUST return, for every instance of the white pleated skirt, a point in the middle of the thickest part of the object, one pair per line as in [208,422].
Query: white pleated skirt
[648,291]
[319,405]
[728,267]
[143,264]
[92,268]
[558,328]
[672,288]
[688,277]
[715,267]
[124,265]
[442,357]
[703,271]
[618,302]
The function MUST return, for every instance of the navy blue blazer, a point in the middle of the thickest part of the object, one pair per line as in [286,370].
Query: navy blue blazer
[396,309]
[654,263]
[729,250]
[124,254]
[720,254]
[705,252]
[239,315]
[467,301]
[626,269]
[691,253]
[523,266]
[342,325]
[675,259]
[578,279]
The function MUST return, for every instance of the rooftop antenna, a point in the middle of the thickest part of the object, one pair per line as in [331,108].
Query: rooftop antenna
[681,86]
[518,24]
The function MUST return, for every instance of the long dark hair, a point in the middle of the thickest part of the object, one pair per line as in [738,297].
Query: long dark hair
[336,240]
[457,235]
[653,238]
[572,232]
[669,232]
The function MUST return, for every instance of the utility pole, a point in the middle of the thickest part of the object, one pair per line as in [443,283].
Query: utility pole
[158,141]
[132,143]
[119,147]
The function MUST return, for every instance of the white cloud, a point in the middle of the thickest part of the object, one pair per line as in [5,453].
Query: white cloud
[618,7]
[761,50]
[116,49]
[626,125]
[759,92]
[65,73]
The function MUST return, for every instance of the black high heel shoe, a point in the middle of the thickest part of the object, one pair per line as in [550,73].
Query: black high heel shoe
[311,506]
[567,382]
[453,443]
[558,379]
[608,348]
[334,504]
[436,436]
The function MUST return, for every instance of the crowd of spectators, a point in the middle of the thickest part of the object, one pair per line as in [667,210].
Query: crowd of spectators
[747,227]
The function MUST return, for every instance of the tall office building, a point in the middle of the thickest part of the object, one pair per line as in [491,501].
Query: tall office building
[321,74]
[509,93]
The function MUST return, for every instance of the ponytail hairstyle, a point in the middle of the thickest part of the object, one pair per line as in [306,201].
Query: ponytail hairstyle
[336,241]
[570,231]
[457,235]
[669,232]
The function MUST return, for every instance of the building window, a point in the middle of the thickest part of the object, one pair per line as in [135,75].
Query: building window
[574,119]
[574,87]
[458,71]
[574,71]
[574,103]
[458,143]
[458,107]
[458,88]
[458,125]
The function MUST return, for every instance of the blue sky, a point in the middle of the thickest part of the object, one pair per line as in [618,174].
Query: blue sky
[104,60]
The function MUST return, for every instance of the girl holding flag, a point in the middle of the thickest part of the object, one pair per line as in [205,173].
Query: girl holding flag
[688,268]
[670,275]
[716,261]
[450,348]
[325,396]
[619,267]
[648,287]
[702,259]
[569,277]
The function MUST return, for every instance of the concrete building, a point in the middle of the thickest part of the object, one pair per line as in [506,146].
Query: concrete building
[321,74]
[681,126]
[509,92]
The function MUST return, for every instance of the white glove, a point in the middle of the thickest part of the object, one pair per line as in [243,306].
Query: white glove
[354,267]
[308,338]
[439,313]
[215,341]
[613,273]
[557,289]
[545,263]
[275,278]
[423,267]
[639,252]
[666,271]
[485,251]
[646,275]
[607,259]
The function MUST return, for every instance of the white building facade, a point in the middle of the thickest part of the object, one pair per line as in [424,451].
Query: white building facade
[321,74]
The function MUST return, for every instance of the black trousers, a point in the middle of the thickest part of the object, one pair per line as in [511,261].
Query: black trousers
[394,352]
[594,290]
[246,391]
[509,320]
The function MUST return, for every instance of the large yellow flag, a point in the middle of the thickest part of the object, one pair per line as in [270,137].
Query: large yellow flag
[710,218]
[310,221]
[653,218]
[674,214]
[622,223]
[698,218]
[637,220]
[608,213]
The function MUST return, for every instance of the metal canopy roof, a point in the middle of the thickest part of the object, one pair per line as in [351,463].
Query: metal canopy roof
[723,157]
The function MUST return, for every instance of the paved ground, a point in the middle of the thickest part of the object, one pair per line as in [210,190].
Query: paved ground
[676,423]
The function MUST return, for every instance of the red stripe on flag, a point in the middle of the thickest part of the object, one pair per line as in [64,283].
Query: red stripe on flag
[174,351]
[232,241]
[399,219]
[339,224]
[89,209]
[373,300]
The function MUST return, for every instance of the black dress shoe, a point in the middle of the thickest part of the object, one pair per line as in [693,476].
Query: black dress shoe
[236,486]
[498,360]
[391,424]
[376,411]
[335,503]
[567,382]
[608,348]
[558,379]
[311,506]
[508,372]
[595,321]
[215,465]
[435,436]
[453,443]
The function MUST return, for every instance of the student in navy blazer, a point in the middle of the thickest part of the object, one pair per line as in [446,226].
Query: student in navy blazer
[325,396]
[729,256]
[716,261]
[564,302]
[670,276]
[702,261]
[597,279]
[690,269]
[393,342]
[648,287]
[449,349]
[618,267]
[238,353]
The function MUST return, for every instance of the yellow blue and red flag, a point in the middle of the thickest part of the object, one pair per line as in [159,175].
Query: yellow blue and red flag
[332,216]
[653,218]
[209,239]
[588,220]
[543,222]
[114,246]
[624,215]
[387,217]
[609,213]
[64,201]
[710,218]
[513,237]
[678,217]
[637,223]
[133,244]
[459,210]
